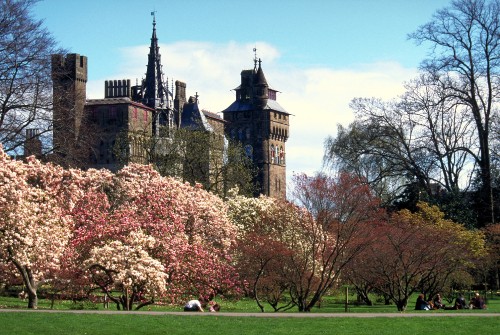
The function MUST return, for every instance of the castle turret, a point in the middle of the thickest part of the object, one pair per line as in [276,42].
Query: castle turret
[69,76]
[261,125]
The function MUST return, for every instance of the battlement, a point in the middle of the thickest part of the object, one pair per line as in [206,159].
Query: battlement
[117,88]
[70,66]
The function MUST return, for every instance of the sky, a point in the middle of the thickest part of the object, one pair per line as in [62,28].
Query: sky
[319,54]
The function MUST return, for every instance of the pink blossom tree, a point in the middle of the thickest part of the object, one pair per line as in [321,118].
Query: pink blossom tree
[34,224]
[186,228]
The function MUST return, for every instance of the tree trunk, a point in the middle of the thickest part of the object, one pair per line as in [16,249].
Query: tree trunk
[402,304]
[32,299]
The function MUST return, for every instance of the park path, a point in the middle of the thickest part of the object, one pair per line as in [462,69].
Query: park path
[265,315]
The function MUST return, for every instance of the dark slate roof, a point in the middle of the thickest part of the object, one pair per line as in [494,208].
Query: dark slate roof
[193,118]
[246,105]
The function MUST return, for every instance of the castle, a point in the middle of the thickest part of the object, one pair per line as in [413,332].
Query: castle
[153,111]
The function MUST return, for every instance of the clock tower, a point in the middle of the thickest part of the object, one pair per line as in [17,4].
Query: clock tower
[261,125]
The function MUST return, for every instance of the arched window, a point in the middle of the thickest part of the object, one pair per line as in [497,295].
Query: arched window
[282,155]
[273,155]
[277,155]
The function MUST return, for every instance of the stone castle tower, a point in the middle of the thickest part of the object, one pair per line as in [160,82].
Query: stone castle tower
[69,76]
[262,126]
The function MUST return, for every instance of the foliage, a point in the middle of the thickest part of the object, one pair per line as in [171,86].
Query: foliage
[196,156]
[178,234]
[417,252]
[301,251]
[25,79]
[133,232]
[35,226]
[464,43]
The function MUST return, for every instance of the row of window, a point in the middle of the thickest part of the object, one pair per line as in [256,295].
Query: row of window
[279,132]
[280,116]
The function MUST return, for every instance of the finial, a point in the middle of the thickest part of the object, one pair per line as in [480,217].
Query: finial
[255,58]
[153,14]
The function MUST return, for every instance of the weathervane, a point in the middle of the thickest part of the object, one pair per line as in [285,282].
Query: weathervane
[255,58]
[153,14]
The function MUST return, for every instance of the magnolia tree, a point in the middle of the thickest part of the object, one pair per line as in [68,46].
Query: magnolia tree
[179,234]
[35,223]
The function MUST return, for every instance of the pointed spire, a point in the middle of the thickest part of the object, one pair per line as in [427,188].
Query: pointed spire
[260,79]
[260,88]
[153,88]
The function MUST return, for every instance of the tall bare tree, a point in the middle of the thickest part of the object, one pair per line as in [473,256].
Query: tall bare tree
[25,78]
[464,41]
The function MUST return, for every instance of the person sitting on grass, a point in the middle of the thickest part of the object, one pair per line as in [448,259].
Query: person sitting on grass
[477,302]
[460,302]
[437,302]
[193,306]
[421,304]
[214,307]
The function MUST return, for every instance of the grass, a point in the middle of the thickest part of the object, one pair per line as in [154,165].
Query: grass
[69,323]
[21,322]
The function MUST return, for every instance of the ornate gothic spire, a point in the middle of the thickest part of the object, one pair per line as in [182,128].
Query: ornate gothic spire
[155,92]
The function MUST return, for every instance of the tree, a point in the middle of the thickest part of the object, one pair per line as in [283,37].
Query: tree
[142,229]
[492,262]
[415,140]
[345,212]
[418,252]
[302,250]
[128,268]
[34,225]
[264,252]
[25,78]
[195,156]
[464,41]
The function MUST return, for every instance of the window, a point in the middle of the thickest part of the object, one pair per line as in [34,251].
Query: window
[273,154]
[282,155]
[277,155]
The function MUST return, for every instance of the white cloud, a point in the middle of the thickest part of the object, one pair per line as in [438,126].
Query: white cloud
[317,97]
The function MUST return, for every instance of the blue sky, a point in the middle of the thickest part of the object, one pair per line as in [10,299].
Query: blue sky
[320,54]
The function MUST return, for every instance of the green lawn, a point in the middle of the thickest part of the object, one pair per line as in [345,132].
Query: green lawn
[463,322]
[69,323]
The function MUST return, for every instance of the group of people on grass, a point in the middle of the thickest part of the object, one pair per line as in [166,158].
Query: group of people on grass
[197,306]
[476,302]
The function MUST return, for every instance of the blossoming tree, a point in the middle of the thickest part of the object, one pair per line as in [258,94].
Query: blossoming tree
[184,233]
[34,223]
